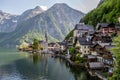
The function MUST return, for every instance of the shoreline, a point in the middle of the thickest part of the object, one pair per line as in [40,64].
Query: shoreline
[82,65]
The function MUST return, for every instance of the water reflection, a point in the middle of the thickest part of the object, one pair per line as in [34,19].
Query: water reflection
[41,67]
[36,58]
[79,73]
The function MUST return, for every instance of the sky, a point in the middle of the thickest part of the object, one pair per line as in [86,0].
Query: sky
[19,6]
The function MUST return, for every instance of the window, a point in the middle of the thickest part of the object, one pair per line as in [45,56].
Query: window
[85,46]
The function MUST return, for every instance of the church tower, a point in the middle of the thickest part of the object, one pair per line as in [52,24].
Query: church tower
[46,37]
[46,40]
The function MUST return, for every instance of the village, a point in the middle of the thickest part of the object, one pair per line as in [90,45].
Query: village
[87,47]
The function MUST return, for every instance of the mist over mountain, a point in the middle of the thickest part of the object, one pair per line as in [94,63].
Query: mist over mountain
[57,21]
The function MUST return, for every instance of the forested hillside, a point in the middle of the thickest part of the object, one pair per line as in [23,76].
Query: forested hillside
[108,11]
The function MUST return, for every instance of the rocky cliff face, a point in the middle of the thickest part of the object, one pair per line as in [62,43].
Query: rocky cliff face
[8,22]
[57,21]
[30,13]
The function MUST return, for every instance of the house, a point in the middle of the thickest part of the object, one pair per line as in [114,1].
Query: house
[117,29]
[101,40]
[109,46]
[43,44]
[95,49]
[57,45]
[91,58]
[106,29]
[105,40]
[108,57]
[103,53]
[57,48]
[93,63]
[81,30]
[51,46]
[84,43]
[54,46]
[98,51]
[96,66]
[63,45]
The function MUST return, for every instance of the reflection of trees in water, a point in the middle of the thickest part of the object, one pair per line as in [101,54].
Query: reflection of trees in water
[36,58]
[79,73]
[46,68]
[39,57]
[34,67]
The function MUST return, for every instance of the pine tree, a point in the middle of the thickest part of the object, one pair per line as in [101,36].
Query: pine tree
[116,52]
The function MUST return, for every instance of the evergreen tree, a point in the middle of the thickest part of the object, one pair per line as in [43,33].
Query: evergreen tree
[108,11]
[116,52]
[36,45]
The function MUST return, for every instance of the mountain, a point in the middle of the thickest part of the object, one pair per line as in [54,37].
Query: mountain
[8,22]
[57,21]
[108,11]
[30,13]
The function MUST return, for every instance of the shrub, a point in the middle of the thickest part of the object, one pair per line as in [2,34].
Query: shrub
[79,58]
[72,50]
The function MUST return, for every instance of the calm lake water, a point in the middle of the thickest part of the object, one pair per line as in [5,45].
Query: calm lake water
[16,65]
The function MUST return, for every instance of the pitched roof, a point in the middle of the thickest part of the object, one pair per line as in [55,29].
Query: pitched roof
[93,46]
[101,25]
[85,41]
[96,65]
[104,25]
[62,43]
[109,46]
[117,27]
[51,44]
[106,39]
[82,26]
[103,39]
[91,57]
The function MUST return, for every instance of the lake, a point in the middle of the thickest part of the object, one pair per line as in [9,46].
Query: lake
[16,65]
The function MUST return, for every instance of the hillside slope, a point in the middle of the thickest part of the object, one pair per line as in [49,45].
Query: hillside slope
[57,21]
[108,11]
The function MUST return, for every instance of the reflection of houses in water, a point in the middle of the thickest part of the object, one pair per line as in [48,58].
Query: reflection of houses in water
[37,58]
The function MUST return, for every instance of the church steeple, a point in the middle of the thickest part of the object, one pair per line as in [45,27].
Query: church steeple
[46,36]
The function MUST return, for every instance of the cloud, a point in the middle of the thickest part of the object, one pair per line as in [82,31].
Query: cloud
[44,7]
[87,5]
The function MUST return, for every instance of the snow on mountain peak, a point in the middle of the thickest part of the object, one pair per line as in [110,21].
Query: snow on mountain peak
[44,7]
